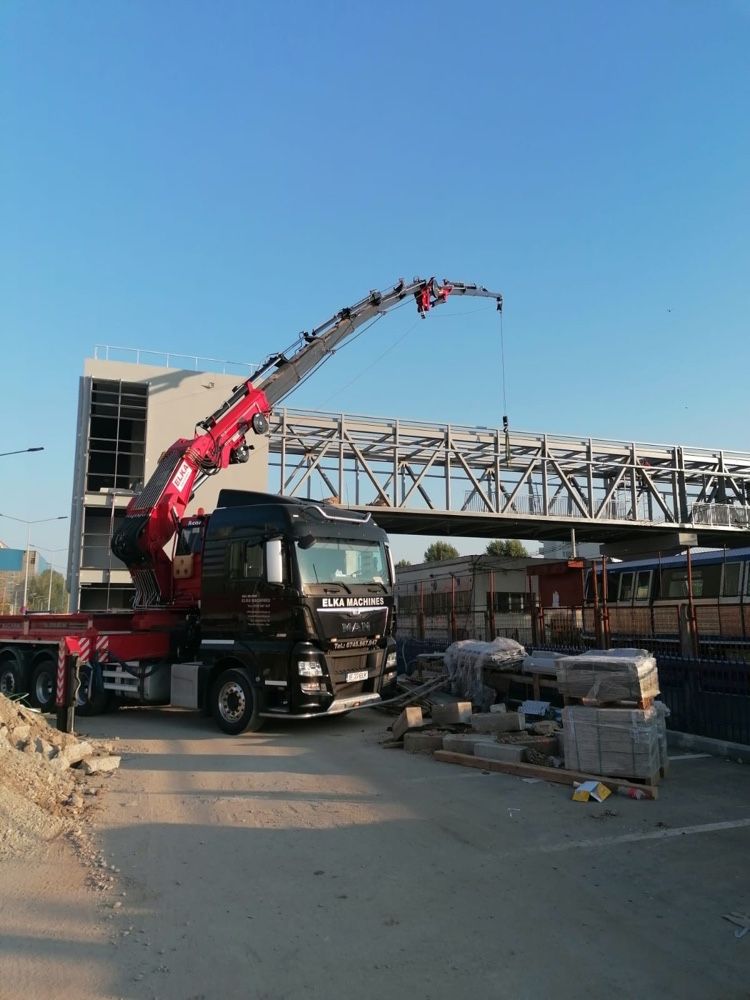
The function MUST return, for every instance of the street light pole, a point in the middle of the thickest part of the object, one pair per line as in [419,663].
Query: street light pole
[49,594]
[21,451]
[52,570]
[22,520]
[26,560]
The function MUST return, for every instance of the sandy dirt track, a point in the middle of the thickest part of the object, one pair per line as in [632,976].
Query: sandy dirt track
[307,861]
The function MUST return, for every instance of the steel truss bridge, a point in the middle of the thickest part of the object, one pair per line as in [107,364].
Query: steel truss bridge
[444,479]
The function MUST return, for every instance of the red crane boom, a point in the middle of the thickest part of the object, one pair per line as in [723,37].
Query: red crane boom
[153,516]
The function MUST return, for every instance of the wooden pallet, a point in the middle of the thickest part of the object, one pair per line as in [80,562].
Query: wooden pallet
[501,681]
[640,703]
[560,775]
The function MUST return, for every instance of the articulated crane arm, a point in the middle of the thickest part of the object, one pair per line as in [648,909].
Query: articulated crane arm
[153,516]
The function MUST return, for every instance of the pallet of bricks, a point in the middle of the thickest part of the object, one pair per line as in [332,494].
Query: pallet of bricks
[613,725]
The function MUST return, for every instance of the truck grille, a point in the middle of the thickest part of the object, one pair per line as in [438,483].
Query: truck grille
[340,666]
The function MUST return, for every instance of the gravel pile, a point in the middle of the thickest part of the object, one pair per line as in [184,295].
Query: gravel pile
[47,784]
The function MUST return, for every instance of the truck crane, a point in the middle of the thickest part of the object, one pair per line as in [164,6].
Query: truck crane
[268,605]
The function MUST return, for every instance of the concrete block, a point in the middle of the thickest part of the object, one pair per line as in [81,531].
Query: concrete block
[453,714]
[100,765]
[44,747]
[21,733]
[422,742]
[72,754]
[459,743]
[498,722]
[510,753]
[410,718]
[466,742]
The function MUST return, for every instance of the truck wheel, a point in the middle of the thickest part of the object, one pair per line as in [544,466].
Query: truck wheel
[10,684]
[43,682]
[98,703]
[235,703]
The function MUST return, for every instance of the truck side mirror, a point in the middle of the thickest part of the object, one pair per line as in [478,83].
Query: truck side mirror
[274,561]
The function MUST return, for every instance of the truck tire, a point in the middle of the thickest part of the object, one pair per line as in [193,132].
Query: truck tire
[43,684]
[235,704]
[10,677]
[99,701]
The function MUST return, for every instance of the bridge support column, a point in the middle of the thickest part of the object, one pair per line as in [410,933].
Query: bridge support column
[491,606]
[605,607]
[454,630]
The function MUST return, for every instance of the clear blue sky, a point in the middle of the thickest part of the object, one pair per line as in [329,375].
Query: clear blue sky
[212,177]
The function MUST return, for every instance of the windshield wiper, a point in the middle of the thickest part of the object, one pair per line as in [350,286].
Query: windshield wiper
[332,588]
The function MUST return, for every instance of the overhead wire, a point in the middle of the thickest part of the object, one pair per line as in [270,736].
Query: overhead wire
[506,424]
[502,363]
[369,367]
[395,344]
[329,354]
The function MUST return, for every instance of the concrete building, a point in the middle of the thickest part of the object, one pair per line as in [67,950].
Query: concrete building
[128,414]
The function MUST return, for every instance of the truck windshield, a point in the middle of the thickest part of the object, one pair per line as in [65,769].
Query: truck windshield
[334,560]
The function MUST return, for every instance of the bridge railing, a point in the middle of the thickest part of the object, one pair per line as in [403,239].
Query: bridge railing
[718,514]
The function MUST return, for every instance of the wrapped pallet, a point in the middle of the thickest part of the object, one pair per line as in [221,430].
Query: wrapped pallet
[543,663]
[466,661]
[607,675]
[614,742]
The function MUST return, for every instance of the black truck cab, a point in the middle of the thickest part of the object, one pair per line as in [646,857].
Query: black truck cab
[297,596]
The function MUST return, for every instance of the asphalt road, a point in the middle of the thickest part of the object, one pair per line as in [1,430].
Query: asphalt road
[309,862]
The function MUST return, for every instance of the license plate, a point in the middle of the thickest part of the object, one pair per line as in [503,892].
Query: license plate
[356,675]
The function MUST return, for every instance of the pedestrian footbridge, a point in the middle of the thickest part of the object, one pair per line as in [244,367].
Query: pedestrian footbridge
[444,479]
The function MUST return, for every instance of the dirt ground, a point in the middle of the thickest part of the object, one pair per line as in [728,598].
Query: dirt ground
[308,861]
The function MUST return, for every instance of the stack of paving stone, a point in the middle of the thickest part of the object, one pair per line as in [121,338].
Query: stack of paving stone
[606,735]
[609,675]
[612,742]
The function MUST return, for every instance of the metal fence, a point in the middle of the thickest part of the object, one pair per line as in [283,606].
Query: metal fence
[707,697]
[408,649]
[170,359]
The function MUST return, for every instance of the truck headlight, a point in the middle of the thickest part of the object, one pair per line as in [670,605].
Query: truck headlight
[306,668]
[312,687]
[390,661]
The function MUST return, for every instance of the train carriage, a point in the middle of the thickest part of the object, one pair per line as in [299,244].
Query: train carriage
[649,598]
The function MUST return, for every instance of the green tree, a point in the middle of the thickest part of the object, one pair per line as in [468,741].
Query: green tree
[440,550]
[509,548]
[41,598]
[402,564]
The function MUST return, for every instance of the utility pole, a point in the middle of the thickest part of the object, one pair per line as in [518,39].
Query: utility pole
[22,520]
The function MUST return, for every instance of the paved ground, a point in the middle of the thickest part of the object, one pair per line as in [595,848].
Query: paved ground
[307,861]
